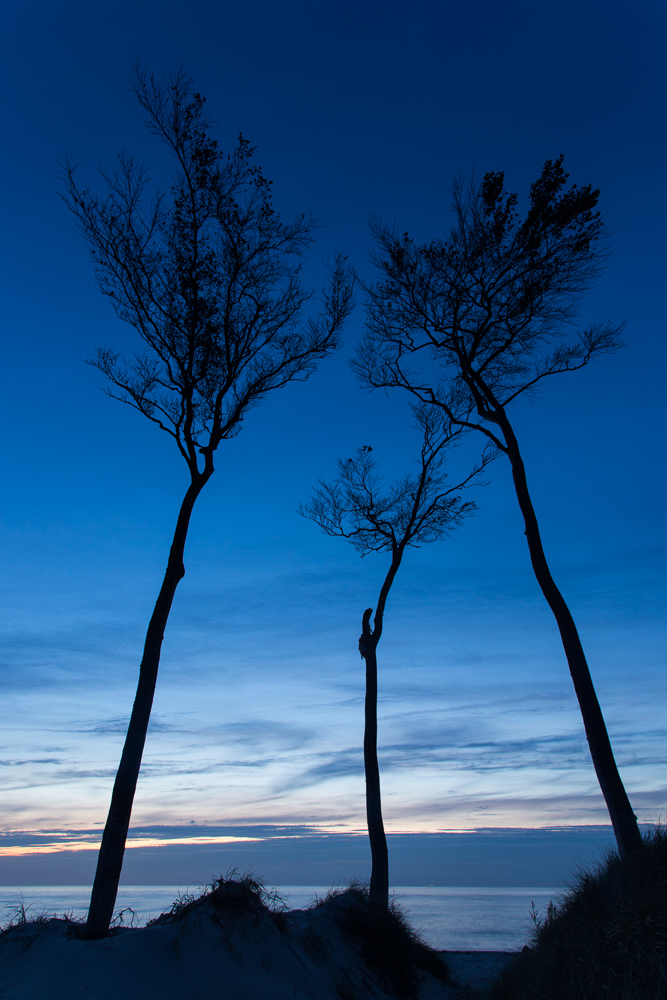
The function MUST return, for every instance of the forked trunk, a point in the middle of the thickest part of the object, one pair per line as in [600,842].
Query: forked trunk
[112,849]
[623,819]
[379,888]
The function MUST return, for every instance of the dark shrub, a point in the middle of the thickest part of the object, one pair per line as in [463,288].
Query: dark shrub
[386,941]
[607,940]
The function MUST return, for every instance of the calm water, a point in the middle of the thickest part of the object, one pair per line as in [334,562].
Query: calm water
[449,918]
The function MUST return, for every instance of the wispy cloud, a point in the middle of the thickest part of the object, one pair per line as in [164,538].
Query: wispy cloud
[272,728]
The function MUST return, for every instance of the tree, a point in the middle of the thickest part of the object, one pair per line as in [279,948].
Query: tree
[209,277]
[486,310]
[415,510]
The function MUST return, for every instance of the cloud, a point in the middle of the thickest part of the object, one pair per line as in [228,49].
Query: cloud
[34,760]
[257,733]
[339,765]
[259,707]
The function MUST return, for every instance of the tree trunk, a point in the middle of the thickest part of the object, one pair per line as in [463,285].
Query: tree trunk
[112,849]
[379,888]
[623,819]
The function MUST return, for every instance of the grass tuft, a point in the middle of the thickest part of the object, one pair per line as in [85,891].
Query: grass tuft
[606,939]
[127,917]
[21,915]
[234,893]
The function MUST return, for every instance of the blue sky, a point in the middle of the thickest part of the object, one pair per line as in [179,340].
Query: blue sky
[354,108]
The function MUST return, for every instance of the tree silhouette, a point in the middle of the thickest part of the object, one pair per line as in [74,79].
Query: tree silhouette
[209,277]
[415,510]
[485,312]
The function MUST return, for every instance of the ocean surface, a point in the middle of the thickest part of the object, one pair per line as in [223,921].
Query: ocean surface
[455,919]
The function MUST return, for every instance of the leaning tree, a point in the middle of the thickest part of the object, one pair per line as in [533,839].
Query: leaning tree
[208,275]
[470,323]
[414,510]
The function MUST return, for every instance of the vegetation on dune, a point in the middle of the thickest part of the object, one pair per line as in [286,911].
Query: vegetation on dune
[607,938]
[19,916]
[232,892]
[385,939]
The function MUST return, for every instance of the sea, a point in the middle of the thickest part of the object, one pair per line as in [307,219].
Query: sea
[450,919]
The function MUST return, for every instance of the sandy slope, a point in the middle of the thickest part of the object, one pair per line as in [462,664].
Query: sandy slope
[210,952]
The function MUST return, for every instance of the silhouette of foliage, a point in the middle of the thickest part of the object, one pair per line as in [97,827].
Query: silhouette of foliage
[209,276]
[470,323]
[412,511]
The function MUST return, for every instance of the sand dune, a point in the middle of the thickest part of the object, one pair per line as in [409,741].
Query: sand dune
[227,947]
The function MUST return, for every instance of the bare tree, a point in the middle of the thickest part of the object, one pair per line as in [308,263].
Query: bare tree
[415,510]
[470,323]
[209,277]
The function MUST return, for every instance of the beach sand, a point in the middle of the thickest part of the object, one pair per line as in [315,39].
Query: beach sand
[477,969]
[218,949]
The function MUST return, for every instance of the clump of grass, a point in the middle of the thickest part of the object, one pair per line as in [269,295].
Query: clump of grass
[606,939]
[19,916]
[240,893]
[22,916]
[234,893]
[127,917]
[387,943]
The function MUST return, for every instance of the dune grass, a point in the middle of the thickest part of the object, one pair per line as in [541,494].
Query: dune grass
[235,892]
[606,940]
[20,915]
[385,939]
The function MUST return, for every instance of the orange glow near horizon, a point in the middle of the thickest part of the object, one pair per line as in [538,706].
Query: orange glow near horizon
[90,844]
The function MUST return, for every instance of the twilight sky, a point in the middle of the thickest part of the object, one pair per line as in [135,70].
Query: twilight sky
[354,108]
